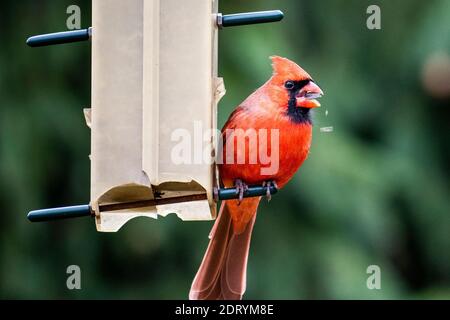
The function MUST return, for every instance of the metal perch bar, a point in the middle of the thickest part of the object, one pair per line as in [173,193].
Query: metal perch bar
[228,20]
[86,210]
[59,213]
[59,38]
[252,191]
[240,19]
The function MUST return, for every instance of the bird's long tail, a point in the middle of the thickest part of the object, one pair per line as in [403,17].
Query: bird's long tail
[223,271]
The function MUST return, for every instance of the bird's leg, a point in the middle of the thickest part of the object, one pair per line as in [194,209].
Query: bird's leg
[267,185]
[241,187]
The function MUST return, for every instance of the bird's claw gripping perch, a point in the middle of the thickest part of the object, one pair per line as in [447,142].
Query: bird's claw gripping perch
[241,187]
[267,185]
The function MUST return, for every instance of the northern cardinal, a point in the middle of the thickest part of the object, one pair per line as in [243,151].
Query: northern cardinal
[284,102]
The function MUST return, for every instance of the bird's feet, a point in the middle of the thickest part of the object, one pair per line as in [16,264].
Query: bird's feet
[241,187]
[267,185]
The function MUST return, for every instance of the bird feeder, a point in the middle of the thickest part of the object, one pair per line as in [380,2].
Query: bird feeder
[154,73]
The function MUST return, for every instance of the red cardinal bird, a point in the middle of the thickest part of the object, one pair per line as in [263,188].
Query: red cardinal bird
[282,103]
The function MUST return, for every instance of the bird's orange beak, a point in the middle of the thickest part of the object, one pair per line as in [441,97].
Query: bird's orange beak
[307,96]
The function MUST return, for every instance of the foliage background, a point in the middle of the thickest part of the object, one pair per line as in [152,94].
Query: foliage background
[374,191]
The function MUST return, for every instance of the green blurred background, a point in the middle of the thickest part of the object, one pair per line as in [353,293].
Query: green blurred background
[375,191]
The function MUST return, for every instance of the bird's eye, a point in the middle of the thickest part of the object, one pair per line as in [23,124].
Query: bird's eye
[289,84]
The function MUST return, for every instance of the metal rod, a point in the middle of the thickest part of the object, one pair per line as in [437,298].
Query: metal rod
[86,210]
[240,19]
[252,191]
[59,38]
[59,213]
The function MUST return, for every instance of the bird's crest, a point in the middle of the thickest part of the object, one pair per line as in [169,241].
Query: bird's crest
[285,69]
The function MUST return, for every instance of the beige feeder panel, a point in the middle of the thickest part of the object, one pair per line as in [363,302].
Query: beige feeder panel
[154,71]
